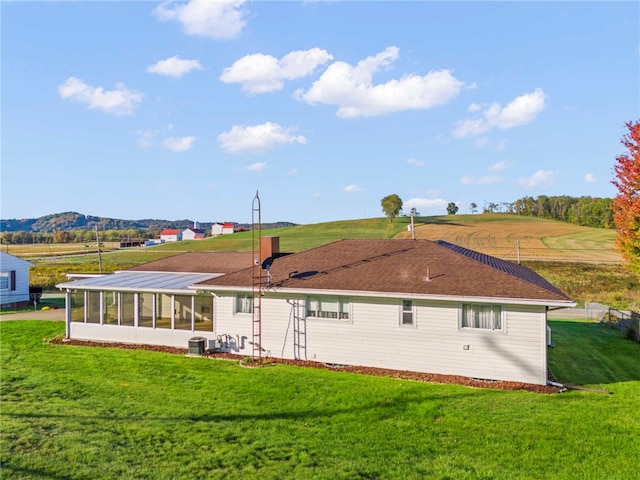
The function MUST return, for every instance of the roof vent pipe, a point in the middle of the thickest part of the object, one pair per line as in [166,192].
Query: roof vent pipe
[428,277]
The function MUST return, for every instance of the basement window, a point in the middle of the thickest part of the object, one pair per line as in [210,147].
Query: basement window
[482,316]
[328,307]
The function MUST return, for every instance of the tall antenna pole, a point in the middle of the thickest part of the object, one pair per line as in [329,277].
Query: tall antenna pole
[256,291]
[99,254]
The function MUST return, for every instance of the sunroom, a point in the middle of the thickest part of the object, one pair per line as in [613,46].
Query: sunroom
[139,307]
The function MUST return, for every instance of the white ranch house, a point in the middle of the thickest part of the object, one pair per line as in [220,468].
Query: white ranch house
[14,281]
[414,305]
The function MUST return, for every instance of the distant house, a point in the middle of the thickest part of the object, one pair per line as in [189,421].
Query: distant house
[14,281]
[414,305]
[222,229]
[192,234]
[171,235]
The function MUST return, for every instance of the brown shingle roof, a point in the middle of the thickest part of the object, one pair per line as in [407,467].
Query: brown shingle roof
[200,262]
[420,267]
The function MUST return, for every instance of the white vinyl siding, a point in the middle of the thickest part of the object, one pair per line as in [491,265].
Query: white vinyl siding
[371,336]
[14,280]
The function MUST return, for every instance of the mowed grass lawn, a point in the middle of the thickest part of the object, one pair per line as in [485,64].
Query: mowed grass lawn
[73,412]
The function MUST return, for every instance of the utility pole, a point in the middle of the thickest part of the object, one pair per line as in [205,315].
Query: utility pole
[413,230]
[518,250]
[99,254]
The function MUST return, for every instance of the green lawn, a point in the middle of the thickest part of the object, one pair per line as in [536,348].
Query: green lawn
[87,413]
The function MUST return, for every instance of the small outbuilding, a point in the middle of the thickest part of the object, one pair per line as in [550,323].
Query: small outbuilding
[14,281]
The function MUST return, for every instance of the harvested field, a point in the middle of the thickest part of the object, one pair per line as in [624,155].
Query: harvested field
[536,239]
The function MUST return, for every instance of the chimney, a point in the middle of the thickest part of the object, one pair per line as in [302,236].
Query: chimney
[269,247]
[196,226]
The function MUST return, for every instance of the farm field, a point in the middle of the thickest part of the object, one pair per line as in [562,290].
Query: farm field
[85,412]
[536,239]
[579,260]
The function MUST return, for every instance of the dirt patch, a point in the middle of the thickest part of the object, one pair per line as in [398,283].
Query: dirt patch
[378,372]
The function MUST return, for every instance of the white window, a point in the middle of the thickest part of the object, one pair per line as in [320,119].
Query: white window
[244,303]
[4,280]
[480,316]
[328,307]
[407,315]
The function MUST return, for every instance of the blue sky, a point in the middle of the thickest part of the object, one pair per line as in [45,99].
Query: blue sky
[185,109]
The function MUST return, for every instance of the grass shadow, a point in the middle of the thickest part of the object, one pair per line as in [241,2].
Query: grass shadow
[588,353]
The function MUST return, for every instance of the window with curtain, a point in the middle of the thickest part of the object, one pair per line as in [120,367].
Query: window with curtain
[328,307]
[481,316]
[244,303]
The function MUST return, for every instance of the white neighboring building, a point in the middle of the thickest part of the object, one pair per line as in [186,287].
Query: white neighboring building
[222,229]
[171,235]
[412,305]
[192,234]
[14,281]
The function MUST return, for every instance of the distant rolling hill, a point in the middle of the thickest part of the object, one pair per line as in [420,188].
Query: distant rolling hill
[79,221]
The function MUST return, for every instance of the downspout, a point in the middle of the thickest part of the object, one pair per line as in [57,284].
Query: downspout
[67,312]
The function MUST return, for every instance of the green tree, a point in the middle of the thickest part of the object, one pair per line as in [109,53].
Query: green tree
[474,207]
[452,208]
[626,205]
[391,206]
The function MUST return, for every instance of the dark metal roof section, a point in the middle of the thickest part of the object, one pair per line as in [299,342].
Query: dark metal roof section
[523,273]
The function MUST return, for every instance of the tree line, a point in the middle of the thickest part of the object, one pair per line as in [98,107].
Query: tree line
[76,236]
[586,211]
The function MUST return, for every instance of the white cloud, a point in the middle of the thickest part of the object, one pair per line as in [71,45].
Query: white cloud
[425,204]
[496,167]
[474,107]
[540,178]
[257,138]
[352,188]
[218,19]
[120,101]
[145,138]
[174,67]
[179,144]
[257,167]
[416,163]
[351,88]
[259,73]
[590,178]
[487,179]
[521,111]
